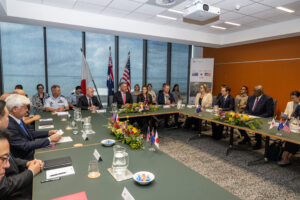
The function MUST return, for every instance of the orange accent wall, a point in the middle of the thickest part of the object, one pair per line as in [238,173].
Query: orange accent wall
[279,78]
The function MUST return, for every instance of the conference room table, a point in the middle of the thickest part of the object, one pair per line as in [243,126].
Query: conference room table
[173,180]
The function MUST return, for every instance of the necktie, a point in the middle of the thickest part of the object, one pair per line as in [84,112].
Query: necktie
[255,104]
[90,102]
[24,129]
[124,98]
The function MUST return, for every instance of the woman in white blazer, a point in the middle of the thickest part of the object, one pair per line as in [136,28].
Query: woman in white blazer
[204,97]
[291,106]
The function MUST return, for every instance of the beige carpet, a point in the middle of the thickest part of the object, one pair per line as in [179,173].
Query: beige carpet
[207,157]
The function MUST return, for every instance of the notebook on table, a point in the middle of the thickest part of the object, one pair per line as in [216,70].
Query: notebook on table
[57,163]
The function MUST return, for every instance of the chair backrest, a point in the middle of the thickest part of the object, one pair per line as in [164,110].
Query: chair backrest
[275,105]
[214,100]
[110,100]
[236,104]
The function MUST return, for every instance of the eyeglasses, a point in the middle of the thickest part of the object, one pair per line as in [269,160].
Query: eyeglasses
[4,160]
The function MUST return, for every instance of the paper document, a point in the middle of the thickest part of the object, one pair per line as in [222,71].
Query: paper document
[76,196]
[190,106]
[101,111]
[46,120]
[253,117]
[46,126]
[65,139]
[166,106]
[62,113]
[59,172]
[209,110]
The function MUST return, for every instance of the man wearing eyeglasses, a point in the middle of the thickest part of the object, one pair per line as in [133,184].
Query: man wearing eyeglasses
[15,174]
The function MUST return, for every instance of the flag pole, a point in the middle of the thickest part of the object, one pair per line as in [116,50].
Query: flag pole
[98,96]
[106,82]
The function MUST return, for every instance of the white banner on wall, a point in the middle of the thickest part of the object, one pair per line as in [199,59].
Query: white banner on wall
[202,71]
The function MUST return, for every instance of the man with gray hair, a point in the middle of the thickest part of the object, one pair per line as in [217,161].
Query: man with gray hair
[260,105]
[22,141]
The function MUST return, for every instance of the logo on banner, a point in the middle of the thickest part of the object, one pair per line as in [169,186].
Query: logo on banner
[207,74]
[195,74]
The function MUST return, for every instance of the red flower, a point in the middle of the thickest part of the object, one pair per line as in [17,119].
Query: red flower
[143,135]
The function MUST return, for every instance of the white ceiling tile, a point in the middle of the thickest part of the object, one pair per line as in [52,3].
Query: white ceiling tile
[88,7]
[230,4]
[140,1]
[276,3]
[156,20]
[231,16]
[60,3]
[182,5]
[124,5]
[245,20]
[114,12]
[149,9]
[283,17]
[171,14]
[32,1]
[267,13]
[98,2]
[253,8]
[259,23]
[138,16]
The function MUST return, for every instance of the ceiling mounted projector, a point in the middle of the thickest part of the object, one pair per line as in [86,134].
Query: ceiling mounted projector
[201,14]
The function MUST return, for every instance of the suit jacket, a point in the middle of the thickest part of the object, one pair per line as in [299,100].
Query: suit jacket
[161,98]
[296,112]
[141,98]
[264,107]
[119,99]
[84,105]
[23,146]
[206,101]
[226,104]
[17,182]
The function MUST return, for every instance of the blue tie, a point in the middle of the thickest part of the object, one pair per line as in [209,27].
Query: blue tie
[24,129]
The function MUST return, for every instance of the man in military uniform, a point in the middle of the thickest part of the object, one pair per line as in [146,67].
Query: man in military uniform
[56,102]
[74,97]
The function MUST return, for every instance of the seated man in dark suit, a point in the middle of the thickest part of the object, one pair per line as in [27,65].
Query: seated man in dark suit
[122,97]
[225,103]
[22,141]
[166,98]
[15,174]
[259,105]
[89,101]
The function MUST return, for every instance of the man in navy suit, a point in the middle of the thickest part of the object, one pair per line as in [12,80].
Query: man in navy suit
[122,97]
[225,103]
[259,105]
[22,141]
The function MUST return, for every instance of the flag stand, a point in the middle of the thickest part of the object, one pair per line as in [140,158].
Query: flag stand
[98,96]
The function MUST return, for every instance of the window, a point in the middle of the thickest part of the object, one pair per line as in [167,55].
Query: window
[157,64]
[22,56]
[97,55]
[135,46]
[64,59]
[179,68]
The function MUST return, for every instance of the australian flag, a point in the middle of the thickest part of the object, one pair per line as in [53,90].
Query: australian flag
[110,76]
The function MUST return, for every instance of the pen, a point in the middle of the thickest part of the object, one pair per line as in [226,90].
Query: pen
[58,174]
[52,179]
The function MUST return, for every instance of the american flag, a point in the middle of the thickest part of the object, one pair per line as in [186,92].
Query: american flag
[110,76]
[126,73]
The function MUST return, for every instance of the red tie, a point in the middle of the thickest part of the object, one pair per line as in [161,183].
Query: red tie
[124,98]
[255,104]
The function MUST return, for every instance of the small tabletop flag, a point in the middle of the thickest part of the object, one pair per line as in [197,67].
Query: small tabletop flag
[148,134]
[156,140]
[272,123]
[280,126]
[286,127]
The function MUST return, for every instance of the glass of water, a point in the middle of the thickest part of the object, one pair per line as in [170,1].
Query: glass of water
[74,127]
[93,169]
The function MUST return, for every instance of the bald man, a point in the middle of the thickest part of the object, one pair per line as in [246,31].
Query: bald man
[259,105]
[89,101]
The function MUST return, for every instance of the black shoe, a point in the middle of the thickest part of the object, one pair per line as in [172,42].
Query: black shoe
[256,146]
[244,141]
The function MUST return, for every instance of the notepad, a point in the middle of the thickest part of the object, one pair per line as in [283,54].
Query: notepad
[46,120]
[57,162]
[101,111]
[75,196]
[62,113]
[46,126]
[65,139]
[59,172]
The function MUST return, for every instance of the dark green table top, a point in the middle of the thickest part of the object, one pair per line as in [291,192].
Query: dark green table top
[173,179]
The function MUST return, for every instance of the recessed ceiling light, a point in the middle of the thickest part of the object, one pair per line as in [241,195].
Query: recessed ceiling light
[218,27]
[165,2]
[285,9]
[233,24]
[166,17]
[175,11]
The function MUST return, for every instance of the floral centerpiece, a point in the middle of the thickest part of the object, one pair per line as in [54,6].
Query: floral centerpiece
[127,134]
[239,119]
[138,107]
